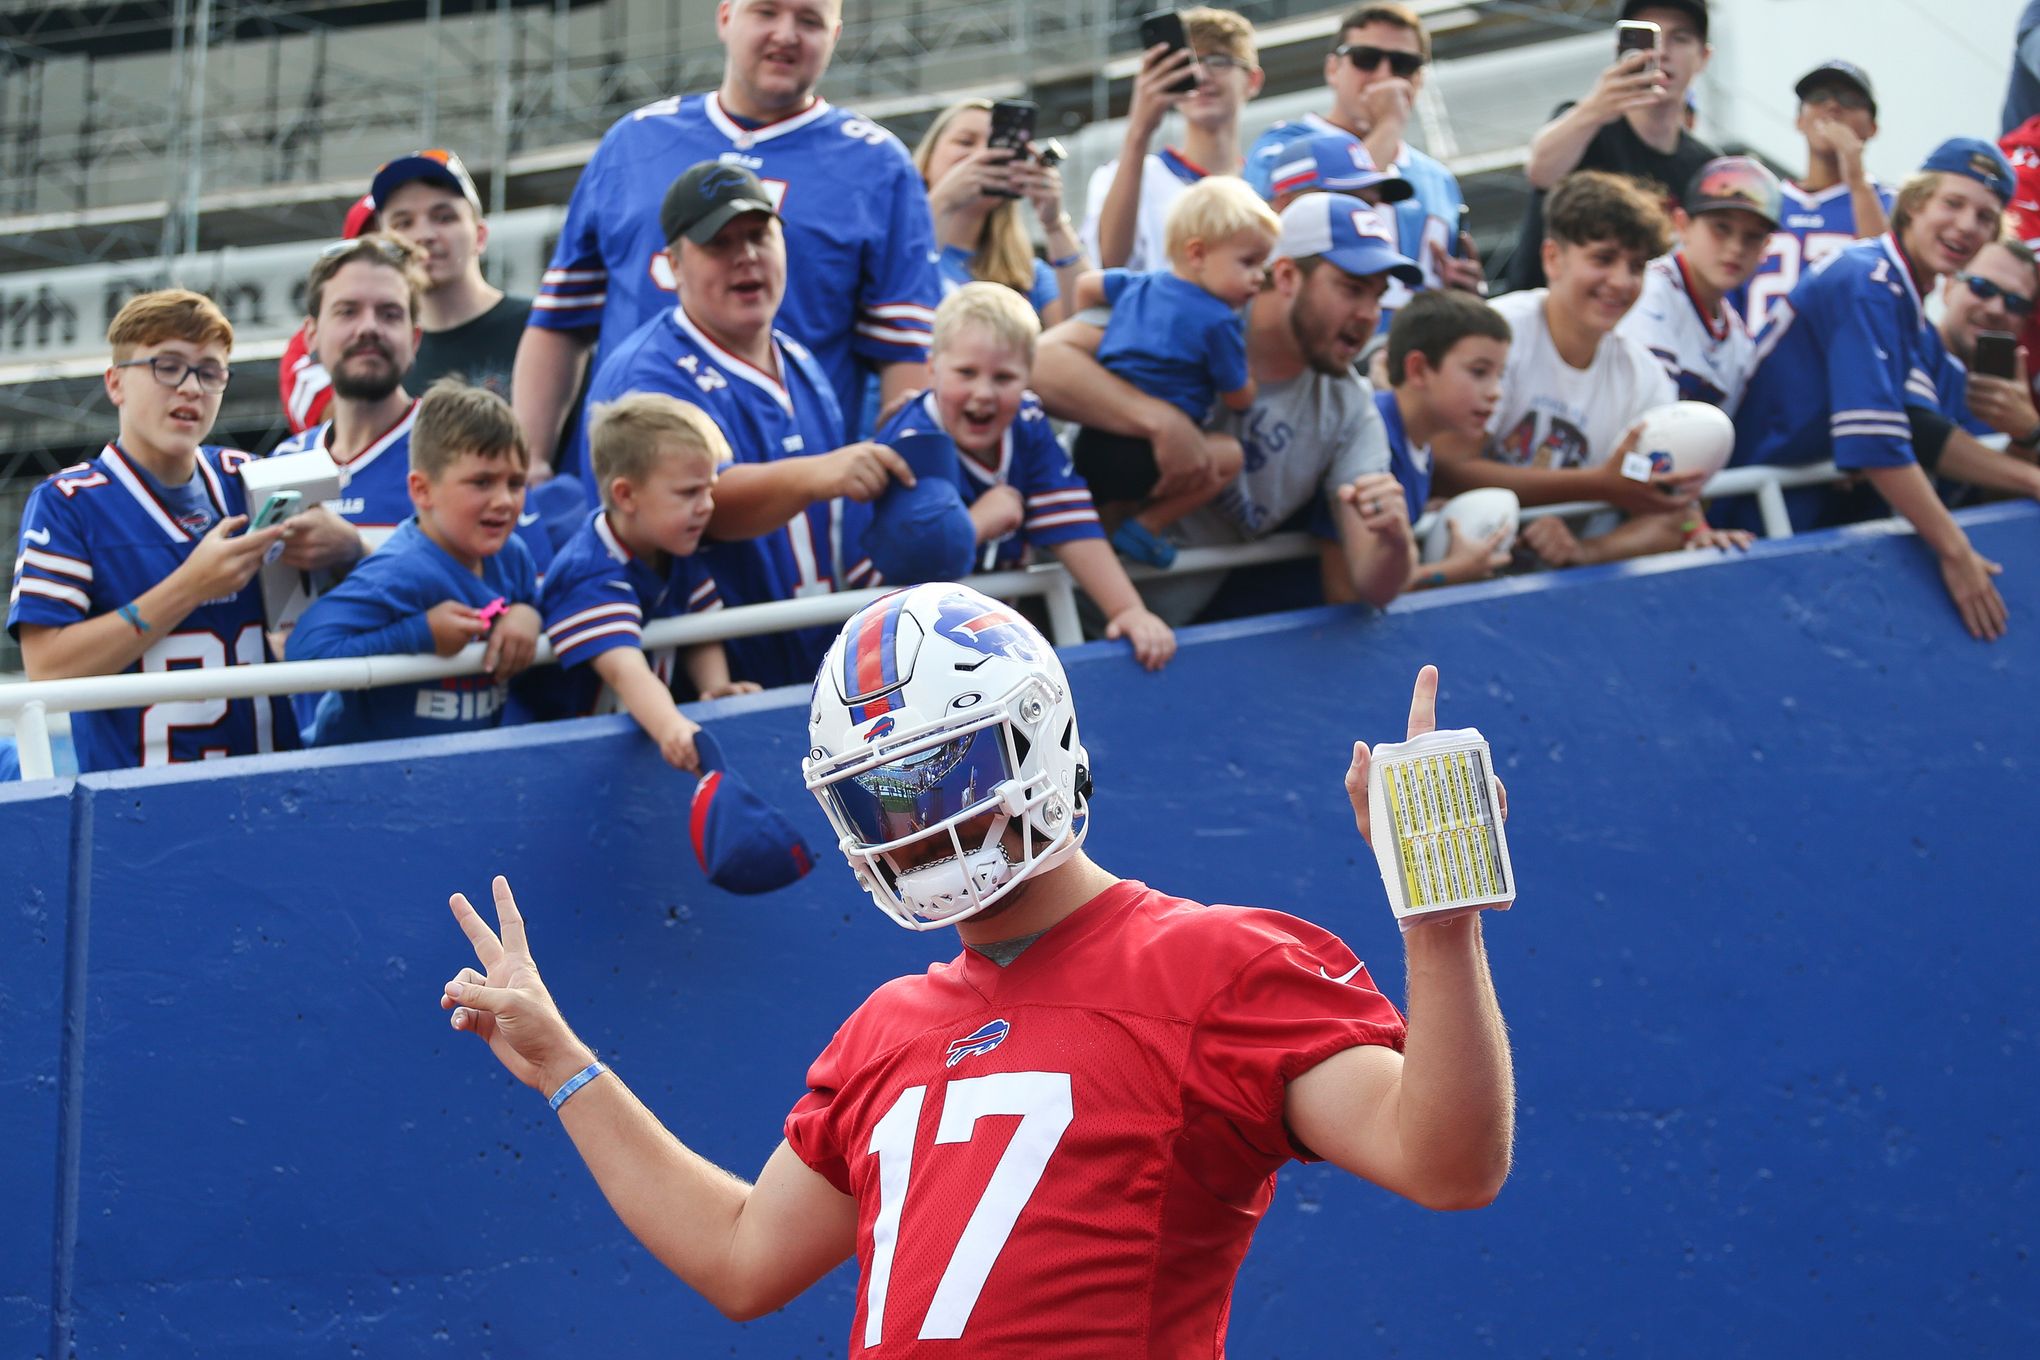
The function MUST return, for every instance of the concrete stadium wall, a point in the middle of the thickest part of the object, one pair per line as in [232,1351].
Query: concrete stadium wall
[1769,985]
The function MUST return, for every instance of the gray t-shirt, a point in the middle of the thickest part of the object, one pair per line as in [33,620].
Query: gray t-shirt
[1314,433]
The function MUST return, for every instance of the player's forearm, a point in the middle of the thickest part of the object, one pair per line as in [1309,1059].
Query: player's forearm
[1456,1105]
[544,377]
[1967,459]
[1556,149]
[756,498]
[1908,491]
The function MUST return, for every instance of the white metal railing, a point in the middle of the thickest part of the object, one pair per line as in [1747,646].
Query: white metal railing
[31,704]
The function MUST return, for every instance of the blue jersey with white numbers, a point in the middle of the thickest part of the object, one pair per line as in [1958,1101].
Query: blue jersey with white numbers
[1428,217]
[861,287]
[1815,227]
[1843,357]
[375,495]
[379,610]
[1057,501]
[764,418]
[98,535]
[598,596]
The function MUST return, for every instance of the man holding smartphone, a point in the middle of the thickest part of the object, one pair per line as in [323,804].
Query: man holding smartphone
[1631,123]
[1984,307]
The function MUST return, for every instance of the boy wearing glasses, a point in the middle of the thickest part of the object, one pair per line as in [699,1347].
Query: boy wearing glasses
[138,560]
[1835,201]
[1632,123]
[1374,72]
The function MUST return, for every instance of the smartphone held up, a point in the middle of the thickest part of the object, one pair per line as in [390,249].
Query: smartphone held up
[1165,27]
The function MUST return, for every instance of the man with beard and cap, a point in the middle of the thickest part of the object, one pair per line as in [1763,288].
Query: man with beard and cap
[362,305]
[1312,430]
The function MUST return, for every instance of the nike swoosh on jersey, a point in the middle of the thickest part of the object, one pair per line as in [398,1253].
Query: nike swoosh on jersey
[622,585]
[1346,976]
[526,521]
[39,537]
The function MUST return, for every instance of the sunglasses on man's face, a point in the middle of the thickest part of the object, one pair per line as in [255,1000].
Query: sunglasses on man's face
[1985,291]
[1366,57]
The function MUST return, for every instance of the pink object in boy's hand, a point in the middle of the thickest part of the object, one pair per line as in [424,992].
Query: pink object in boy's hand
[492,610]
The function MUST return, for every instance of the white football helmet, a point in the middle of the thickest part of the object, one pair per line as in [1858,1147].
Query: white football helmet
[934,708]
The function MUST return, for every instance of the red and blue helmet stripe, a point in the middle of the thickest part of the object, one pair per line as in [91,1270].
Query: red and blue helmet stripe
[871,657]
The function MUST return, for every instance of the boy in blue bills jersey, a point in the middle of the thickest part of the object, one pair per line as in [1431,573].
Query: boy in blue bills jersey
[361,304]
[138,560]
[855,210]
[1021,488]
[1835,202]
[1846,369]
[454,572]
[792,507]
[1374,72]
[634,561]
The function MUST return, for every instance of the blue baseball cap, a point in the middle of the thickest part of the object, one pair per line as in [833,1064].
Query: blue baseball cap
[1977,159]
[922,532]
[1347,232]
[1334,162]
[435,166]
[742,842]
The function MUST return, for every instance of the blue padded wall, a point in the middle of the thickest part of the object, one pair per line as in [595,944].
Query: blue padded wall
[1768,987]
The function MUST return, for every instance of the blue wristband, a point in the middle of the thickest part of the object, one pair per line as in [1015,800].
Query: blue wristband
[575,1083]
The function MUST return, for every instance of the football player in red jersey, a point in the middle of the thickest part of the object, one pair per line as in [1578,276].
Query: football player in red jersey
[1217,1043]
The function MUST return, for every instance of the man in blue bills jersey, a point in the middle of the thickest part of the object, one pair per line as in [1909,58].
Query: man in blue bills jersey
[142,560]
[791,509]
[856,216]
[1835,202]
[1847,367]
[1374,72]
[362,302]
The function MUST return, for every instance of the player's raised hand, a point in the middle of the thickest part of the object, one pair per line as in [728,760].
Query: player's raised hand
[1423,718]
[506,1002]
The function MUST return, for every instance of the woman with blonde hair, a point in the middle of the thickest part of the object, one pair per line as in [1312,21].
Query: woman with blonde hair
[975,189]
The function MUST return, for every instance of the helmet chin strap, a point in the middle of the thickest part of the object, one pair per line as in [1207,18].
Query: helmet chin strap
[944,889]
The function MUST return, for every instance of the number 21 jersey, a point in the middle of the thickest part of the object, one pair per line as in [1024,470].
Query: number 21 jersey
[1068,1156]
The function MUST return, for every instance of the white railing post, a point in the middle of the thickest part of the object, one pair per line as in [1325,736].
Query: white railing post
[32,741]
[1065,629]
[1771,505]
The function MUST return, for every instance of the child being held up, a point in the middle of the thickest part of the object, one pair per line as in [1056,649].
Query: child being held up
[1019,484]
[632,561]
[452,573]
[1177,335]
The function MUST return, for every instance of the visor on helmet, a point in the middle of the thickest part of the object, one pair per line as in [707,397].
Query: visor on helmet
[924,788]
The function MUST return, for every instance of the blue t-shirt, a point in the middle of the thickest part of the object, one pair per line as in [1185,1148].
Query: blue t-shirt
[1172,340]
[955,267]
[861,288]
[379,610]
[97,536]
[1058,502]
[765,419]
[598,596]
[1412,467]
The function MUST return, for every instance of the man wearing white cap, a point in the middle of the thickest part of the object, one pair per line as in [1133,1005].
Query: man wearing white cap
[1313,427]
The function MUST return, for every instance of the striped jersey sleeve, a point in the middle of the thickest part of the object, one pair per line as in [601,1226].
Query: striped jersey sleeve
[1058,501]
[901,286]
[575,285]
[53,573]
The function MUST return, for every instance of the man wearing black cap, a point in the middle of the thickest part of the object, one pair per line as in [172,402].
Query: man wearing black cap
[1631,123]
[791,511]
[1835,201]
[471,326]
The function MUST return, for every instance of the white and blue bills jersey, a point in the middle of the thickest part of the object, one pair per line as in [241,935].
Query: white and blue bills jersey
[1427,218]
[1057,501]
[1815,227]
[1843,357]
[599,596]
[380,610]
[1707,357]
[375,495]
[98,535]
[860,244]
[765,418]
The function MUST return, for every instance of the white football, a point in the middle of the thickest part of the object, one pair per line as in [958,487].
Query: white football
[1478,513]
[1687,436]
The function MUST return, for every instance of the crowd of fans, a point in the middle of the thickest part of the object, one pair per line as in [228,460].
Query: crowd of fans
[776,355]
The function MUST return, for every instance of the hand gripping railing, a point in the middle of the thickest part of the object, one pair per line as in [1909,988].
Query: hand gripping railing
[31,704]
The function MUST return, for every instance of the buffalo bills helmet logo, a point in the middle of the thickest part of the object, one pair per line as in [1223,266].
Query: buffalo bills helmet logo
[882,728]
[983,1040]
[996,631]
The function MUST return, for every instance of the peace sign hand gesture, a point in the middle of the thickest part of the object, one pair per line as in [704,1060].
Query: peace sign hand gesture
[507,1003]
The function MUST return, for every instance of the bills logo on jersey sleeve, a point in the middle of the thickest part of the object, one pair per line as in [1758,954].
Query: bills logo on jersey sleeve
[979,1042]
[995,632]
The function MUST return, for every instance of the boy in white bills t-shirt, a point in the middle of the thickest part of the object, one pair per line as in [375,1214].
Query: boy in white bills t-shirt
[1574,390]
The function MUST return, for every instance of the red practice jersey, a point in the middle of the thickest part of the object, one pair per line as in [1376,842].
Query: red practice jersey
[1067,1156]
